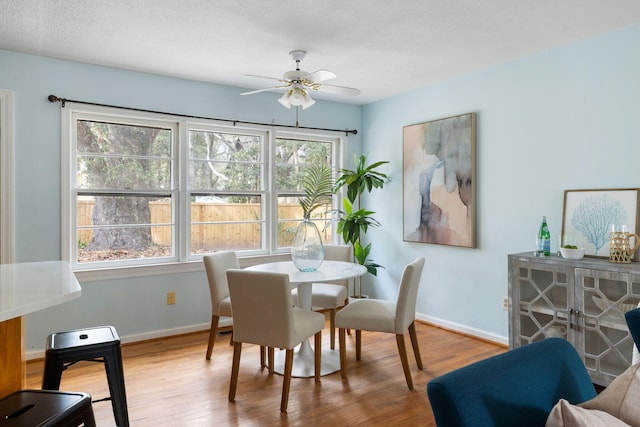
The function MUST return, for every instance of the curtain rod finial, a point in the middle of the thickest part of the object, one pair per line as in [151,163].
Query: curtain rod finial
[53,98]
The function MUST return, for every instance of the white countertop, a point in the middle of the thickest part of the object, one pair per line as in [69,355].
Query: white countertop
[33,286]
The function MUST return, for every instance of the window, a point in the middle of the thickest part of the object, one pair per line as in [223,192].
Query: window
[293,156]
[123,173]
[145,188]
[227,189]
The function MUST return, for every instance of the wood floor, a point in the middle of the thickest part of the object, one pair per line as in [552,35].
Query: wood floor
[169,383]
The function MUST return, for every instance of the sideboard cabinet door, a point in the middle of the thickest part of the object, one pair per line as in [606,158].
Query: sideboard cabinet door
[583,301]
[605,342]
[542,299]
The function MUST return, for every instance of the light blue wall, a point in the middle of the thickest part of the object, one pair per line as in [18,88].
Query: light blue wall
[562,119]
[137,307]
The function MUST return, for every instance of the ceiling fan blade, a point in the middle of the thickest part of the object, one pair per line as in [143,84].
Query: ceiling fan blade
[303,80]
[320,76]
[268,78]
[340,90]
[262,90]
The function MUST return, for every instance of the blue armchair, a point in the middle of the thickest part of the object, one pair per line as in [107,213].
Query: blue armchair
[516,388]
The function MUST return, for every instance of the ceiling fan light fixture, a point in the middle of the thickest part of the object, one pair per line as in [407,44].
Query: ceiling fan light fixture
[296,96]
[307,101]
[284,100]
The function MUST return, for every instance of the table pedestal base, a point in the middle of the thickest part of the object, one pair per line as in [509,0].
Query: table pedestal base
[303,361]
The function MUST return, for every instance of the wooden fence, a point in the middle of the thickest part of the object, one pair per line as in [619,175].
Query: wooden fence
[235,233]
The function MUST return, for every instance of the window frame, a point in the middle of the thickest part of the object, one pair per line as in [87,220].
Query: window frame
[263,192]
[336,162]
[182,259]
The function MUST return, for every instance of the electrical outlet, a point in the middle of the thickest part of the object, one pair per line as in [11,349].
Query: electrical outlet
[505,303]
[171,298]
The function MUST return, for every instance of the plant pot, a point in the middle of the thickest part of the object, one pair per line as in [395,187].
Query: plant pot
[307,251]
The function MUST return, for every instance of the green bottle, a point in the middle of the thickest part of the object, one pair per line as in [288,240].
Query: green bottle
[544,239]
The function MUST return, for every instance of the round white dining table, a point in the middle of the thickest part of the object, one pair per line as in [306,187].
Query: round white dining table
[329,271]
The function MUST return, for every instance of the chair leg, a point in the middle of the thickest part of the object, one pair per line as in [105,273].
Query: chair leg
[288,366]
[115,378]
[268,361]
[332,327]
[212,335]
[270,358]
[237,349]
[403,358]
[231,338]
[89,418]
[414,344]
[317,350]
[343,352]
[358,344]
[345,304]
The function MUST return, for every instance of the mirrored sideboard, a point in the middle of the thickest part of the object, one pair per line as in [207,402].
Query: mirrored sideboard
[583,301]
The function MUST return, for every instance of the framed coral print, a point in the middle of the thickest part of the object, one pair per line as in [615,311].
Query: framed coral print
[587,217]
[438,164]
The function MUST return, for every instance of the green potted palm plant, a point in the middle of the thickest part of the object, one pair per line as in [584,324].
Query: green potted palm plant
[307,252]
[355,221]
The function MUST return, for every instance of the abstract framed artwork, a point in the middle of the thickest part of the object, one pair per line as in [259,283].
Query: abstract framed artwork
[587,217]
[439,181]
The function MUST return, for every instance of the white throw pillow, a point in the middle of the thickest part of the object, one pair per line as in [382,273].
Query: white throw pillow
[621,398]
[564,414]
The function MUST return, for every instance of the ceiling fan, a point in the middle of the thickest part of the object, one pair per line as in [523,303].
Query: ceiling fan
[297,84]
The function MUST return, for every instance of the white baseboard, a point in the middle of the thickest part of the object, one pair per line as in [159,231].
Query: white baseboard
[456,327]
[39,353]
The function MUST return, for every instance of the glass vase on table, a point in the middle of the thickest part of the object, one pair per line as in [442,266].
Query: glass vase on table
[307,251]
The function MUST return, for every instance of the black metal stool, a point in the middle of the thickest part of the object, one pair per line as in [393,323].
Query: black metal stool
[100,344]
[46,408]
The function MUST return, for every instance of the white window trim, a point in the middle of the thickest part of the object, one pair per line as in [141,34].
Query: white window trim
[336,160]
[6,177]
[68,177]
[267,135]
[185,262]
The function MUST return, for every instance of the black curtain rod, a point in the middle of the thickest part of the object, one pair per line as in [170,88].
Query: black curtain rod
[63,101]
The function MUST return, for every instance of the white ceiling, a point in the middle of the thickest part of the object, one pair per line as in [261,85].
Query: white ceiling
[381,47]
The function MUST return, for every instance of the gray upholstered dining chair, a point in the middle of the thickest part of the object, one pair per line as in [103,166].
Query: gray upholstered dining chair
[334,295]
[378,315]
[216,266]
[263,314]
